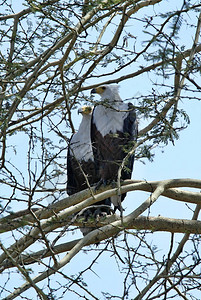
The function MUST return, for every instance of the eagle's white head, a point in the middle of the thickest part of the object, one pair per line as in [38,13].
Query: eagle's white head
[85,110]
[108,92]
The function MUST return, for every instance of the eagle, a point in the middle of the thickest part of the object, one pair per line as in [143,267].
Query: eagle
[114,131]
[81,168]
[80,160]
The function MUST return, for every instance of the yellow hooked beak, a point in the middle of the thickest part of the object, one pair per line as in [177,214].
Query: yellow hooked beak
[99,90]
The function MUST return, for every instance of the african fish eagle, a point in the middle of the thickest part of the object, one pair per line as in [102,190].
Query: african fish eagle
[114,131]
[81,169]
[80,159]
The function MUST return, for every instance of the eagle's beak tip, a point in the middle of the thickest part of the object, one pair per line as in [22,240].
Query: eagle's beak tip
[93,91]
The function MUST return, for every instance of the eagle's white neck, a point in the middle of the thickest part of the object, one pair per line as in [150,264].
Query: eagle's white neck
[81,146]
[110,120]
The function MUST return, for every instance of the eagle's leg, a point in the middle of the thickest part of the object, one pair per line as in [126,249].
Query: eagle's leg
[119,206]
[98,184]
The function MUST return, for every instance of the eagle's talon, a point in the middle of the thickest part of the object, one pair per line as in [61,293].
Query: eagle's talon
[95,211]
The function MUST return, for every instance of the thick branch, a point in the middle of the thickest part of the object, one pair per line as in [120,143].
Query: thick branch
[24,218]
[140,223]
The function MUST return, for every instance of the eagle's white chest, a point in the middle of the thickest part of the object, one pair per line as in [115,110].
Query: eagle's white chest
[80,146]
[110,120]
